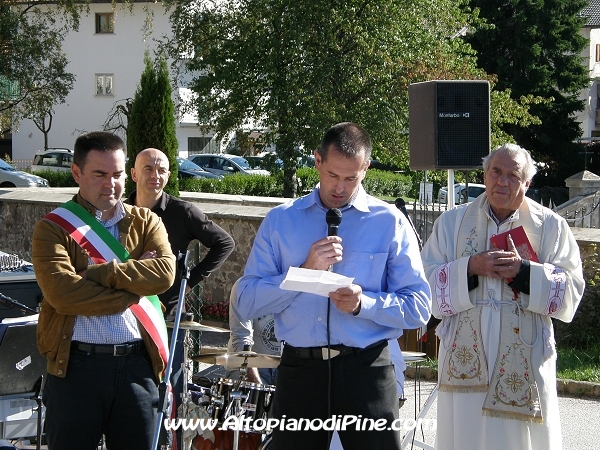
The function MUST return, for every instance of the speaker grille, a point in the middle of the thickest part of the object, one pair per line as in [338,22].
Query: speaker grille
[462,123]
[449,124]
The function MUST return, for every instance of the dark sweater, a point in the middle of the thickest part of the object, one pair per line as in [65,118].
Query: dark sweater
[185,222]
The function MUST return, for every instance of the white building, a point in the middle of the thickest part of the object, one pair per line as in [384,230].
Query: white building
[590,116]
[106,56]
[108,63]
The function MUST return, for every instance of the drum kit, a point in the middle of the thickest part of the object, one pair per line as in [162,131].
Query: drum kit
[236,405]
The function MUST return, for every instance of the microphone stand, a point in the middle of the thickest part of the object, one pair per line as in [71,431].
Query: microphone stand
[10,303]
[400,204]
[184,267]
[38,400]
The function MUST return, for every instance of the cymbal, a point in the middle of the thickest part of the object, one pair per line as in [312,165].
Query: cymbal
[207,358]
[235,360]
[414,356]
[191,325]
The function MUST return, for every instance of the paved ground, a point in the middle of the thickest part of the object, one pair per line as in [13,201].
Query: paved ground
[579,416]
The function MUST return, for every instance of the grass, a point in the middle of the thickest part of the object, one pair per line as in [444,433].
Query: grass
[579,365]
[572,364]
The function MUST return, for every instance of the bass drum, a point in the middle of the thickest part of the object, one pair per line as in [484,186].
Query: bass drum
[224,441]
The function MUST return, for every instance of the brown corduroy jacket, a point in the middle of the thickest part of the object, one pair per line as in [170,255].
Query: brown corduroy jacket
[108,288]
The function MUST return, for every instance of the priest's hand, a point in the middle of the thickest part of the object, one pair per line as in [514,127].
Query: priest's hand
[496,263]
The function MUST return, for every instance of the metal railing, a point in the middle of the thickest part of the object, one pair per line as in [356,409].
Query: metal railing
[21,164]
[583,215]
[423,215]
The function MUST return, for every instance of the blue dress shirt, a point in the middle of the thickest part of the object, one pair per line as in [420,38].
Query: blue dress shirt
[380,252]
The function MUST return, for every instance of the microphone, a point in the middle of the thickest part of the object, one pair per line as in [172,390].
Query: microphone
[333,219]
[401,205]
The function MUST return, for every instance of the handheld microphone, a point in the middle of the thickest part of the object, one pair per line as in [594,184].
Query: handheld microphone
[333,219]
[401,205]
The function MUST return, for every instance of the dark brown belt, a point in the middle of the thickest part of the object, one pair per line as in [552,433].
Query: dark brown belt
[323,352]
[129,348]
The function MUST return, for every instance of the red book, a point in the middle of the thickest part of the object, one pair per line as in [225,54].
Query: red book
[521,241]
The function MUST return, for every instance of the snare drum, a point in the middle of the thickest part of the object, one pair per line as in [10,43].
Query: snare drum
[221,397]
[258,401]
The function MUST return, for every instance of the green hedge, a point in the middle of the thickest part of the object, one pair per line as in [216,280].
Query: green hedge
[378,183]
[583,332]
[57,179]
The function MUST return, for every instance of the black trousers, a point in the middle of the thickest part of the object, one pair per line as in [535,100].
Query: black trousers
[362,385]
[102,394]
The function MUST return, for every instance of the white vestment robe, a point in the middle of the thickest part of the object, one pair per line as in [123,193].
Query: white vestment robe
[556,287]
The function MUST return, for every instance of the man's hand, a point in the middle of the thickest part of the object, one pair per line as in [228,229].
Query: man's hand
[496,263]
[150,254]
[324,253]
[347,299]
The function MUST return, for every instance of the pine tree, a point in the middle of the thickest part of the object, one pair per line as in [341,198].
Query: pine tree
[152,120]
[534,48]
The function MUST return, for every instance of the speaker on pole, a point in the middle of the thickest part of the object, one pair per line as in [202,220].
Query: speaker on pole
[449,124]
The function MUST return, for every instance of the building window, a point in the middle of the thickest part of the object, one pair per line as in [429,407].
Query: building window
[198,145]
[104,84]
[105,23]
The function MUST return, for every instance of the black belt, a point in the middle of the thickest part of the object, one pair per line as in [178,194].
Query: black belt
[324,353]
[129,348]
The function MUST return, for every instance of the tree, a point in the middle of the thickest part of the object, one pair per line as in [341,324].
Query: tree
[534,49]
[295,67]
[151,121]
[44,124]
[33,75]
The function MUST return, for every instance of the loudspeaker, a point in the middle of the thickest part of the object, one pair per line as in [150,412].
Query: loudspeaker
[449,124]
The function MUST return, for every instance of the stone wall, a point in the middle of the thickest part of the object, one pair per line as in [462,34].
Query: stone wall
[240,216]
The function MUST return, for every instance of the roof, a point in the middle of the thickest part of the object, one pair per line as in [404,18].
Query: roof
[585,175]
[592,12]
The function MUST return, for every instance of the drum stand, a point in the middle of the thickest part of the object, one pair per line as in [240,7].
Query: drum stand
[237,397]
[185,394]
[409,439]
[164,385]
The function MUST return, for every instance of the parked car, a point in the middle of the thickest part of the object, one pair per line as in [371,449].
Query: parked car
[57,159]
[11,177]
[264,161]
[225,164]
[187,169]
[306,161]
[460,193]
[269,162]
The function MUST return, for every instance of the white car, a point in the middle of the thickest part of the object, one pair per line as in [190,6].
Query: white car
[460,193]
[55,159]
[11,177]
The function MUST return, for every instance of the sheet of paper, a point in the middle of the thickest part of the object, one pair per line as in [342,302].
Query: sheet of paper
[319,282]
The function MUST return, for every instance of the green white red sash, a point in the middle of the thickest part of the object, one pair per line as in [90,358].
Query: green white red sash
[101,246]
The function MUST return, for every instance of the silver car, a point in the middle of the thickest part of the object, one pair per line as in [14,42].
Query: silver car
[11,177]
[225,164]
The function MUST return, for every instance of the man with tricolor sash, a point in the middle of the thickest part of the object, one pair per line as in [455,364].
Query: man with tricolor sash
[100,264]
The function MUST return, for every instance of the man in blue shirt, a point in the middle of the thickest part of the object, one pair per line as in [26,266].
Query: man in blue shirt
[354,378]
